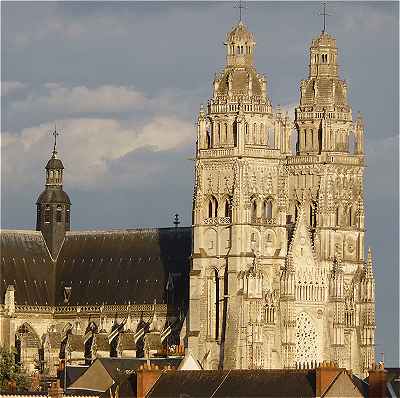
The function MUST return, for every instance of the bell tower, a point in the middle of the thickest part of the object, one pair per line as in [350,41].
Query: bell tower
[239,215]
[53,205]
[326,179]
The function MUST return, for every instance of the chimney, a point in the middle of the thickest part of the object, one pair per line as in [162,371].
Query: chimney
[324,376]
[146,377]
[377,381]
[55,390]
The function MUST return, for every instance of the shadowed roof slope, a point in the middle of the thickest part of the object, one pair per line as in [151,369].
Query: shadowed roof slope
[115,267]
[27,265]
[100,267]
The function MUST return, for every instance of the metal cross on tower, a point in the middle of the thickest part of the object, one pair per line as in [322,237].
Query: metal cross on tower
[55,134]
[241,7]
[324,14]
[176,220]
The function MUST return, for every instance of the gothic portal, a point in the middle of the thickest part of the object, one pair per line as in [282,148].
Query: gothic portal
[278,276]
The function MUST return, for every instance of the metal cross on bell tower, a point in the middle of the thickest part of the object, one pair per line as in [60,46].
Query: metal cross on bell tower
[241,7]
[324,14]
[176,220]
[55,134]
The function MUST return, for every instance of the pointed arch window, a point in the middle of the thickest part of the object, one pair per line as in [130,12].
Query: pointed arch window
[246,133]
[216,281]
[338,216]
[212,207]
[235,133]
[350,216]
[254,208]
[268,209]
[208,137]
[262,134]
[227,208]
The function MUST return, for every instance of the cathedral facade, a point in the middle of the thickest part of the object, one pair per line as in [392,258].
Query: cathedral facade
[279,278]
[272,273]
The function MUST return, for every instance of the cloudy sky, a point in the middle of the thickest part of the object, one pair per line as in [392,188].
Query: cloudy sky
[124,81]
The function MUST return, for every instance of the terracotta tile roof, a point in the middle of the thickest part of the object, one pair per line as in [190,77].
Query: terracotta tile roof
[235,383]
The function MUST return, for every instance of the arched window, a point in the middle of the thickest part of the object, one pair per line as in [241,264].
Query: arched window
[208,134]
[47,214]
[227,209]
[268,209]
[216,281]
[246,133]
[67,216]
[350,217]
[338,216]
[39,215]
[254,208]
[212,207]
[59,213]
[262,134]
[255,138]
[235,133]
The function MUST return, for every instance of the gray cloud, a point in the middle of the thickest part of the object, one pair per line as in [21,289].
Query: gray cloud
[129,80]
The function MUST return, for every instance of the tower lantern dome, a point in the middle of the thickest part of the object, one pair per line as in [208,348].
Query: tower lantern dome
[240,46]
[53,206]
[323,56]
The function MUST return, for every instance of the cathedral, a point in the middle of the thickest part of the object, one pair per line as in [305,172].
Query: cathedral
[272,274]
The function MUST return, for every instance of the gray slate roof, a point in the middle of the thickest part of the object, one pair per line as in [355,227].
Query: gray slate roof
[100,267]
[26,264]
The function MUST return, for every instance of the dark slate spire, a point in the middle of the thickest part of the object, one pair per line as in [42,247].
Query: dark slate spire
[53,204]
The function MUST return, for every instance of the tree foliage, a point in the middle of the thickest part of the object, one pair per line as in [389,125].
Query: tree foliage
[11,374]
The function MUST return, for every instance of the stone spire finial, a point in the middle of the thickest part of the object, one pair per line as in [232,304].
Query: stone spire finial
[368,270]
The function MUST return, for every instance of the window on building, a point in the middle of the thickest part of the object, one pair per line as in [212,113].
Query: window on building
[208,134]
[59,213]
[254,208]
[39,215]
[227,209]
[268,209]
[47,214]
[67,216]
[350,217]
[216,281]
[212,207]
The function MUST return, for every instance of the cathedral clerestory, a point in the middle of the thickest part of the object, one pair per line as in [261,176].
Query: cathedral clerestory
[273,272]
